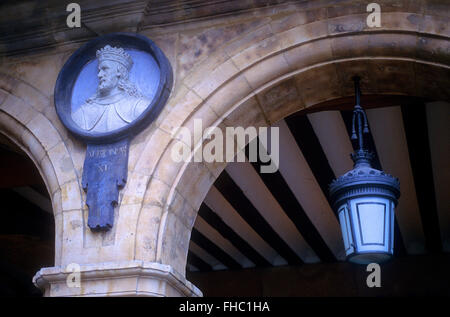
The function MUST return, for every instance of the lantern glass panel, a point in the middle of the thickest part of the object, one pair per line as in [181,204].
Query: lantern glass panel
[371,220]
[346,230]
[391,250]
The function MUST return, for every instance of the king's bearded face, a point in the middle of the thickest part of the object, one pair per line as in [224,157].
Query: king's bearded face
[108,76]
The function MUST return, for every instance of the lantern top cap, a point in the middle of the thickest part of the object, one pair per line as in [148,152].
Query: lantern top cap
[362,178]
[367,175]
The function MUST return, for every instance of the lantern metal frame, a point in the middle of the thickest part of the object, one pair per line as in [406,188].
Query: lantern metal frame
[364,182]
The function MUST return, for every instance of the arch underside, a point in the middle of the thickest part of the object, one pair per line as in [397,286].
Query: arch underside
[295,79]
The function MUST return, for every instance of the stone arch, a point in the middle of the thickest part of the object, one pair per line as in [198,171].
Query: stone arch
[319,56]
[24,121]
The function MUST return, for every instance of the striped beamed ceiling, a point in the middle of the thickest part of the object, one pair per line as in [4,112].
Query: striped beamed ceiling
[249,219]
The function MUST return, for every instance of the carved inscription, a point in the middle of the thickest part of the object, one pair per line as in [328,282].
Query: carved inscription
[104,173]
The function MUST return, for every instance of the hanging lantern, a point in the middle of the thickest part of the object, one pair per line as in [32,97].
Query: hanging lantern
[364,200]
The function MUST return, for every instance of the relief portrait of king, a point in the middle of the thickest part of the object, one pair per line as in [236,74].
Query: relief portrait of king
[117,101]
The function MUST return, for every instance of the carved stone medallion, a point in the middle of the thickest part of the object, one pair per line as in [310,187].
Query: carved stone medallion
[108,91]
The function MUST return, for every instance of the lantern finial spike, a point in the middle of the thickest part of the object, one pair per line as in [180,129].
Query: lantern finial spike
[359,127]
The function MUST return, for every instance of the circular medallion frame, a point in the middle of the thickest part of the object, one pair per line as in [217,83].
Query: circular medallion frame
[72,68]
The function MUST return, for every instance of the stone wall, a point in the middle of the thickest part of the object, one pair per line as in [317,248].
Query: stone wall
[248,69]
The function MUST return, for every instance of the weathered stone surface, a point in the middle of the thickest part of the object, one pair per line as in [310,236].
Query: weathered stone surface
[392,45]
[435,25]
[72,243]
[400,21]
[235,90]
[77,150]
[7,82]
[56,199]
[10,127]
[33,145]
[204,67]
[346,70]
[18,109]
[179,107]
[436,8]
[249,39]
[256,52]
[402,6]
[249,69]
[296,17]
[347,24]
[58,234]
[343,9]
[168,44]
[125,23]
[204,117]
[156,193]
[51,180]
[426,83]
[125,235]
[280,100]
[198,46]
[325,78]
[50,113]
[175,242]
[62,163]
[39,72]
[393,76]
[44,131]
[121,278]
[351,46]
[167,169]
[247,114]
[134,190]
[262,73]
[31,96]
[217,77]
[3,95]
[432,49]
[147,232]
[150,155]
[70,196]
[196,181]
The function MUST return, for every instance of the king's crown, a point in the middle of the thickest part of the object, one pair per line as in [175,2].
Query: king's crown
[116,54]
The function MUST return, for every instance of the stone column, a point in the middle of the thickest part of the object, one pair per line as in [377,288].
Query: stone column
[129,278]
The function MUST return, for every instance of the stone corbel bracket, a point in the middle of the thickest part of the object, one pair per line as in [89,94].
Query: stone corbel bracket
[130,278]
